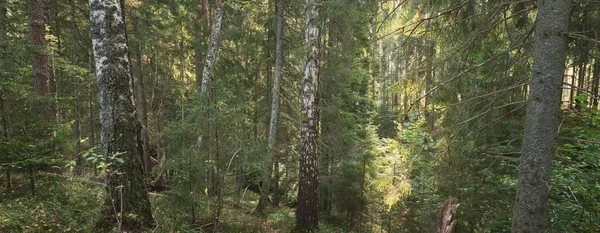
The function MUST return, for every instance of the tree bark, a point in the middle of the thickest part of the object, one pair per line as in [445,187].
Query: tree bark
[140,103]
[37,36]
[127,207]
[77,126]
[4,133]
[595,84]
[307,212]
[264,193]
[541,123]
[205,93]
[446,219]
[201,29]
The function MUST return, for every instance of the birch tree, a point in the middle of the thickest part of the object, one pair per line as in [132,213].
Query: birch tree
[541,123]
[264,192]
[127,207]
[205,95]
[307,212]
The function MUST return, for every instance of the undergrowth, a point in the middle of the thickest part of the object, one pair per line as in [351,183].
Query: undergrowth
[63,204]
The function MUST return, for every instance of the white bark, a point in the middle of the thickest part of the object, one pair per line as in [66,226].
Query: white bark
[213,50]
[306,213]
[127,190]
[274,108]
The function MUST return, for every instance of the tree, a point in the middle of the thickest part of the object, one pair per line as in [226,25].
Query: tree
[205,93]
[264,192]
[37,36]
[541,123]
[77,125]
[127,206]
[307,212]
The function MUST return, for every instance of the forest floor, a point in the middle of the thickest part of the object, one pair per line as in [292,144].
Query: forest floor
[62,204]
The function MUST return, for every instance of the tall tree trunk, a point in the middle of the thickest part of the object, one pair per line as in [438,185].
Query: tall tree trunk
[37,36]
[580,85]
[264,193]
[572,91]
[140,102]
[77,125]
[308,184]
[205,92]
[541,123]
[4,134]
[595,83]
[127,207]
[201,29]
[91,99]
[3,122]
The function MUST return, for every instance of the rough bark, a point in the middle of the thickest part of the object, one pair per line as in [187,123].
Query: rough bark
[307,212]
[543,109]
[37,36]
[140,103]
[264,194]
[446,219]
[127,207]
[77,126]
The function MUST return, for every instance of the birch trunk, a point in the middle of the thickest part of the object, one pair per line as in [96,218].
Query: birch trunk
[541,123]
[264,193]
[212,53]
[127,207]
[307,212]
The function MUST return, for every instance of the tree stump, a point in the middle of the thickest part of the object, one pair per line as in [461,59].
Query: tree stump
[446,220]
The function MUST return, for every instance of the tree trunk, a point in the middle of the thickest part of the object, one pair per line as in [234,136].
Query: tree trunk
[91,99]
[264,193]
[307,212]
[140,103]
[446,219]
[541,123]
[37,36]
[572,92]
[201,29]
[127,207]
[205,95]
[77,125]
[4,133]
[2,111]
[595,84]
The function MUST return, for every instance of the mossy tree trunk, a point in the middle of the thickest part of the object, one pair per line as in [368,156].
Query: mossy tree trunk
[127,207]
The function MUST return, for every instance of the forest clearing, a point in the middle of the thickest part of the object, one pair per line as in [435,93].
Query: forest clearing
[280,116]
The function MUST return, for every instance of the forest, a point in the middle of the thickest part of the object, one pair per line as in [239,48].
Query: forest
[444,116]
